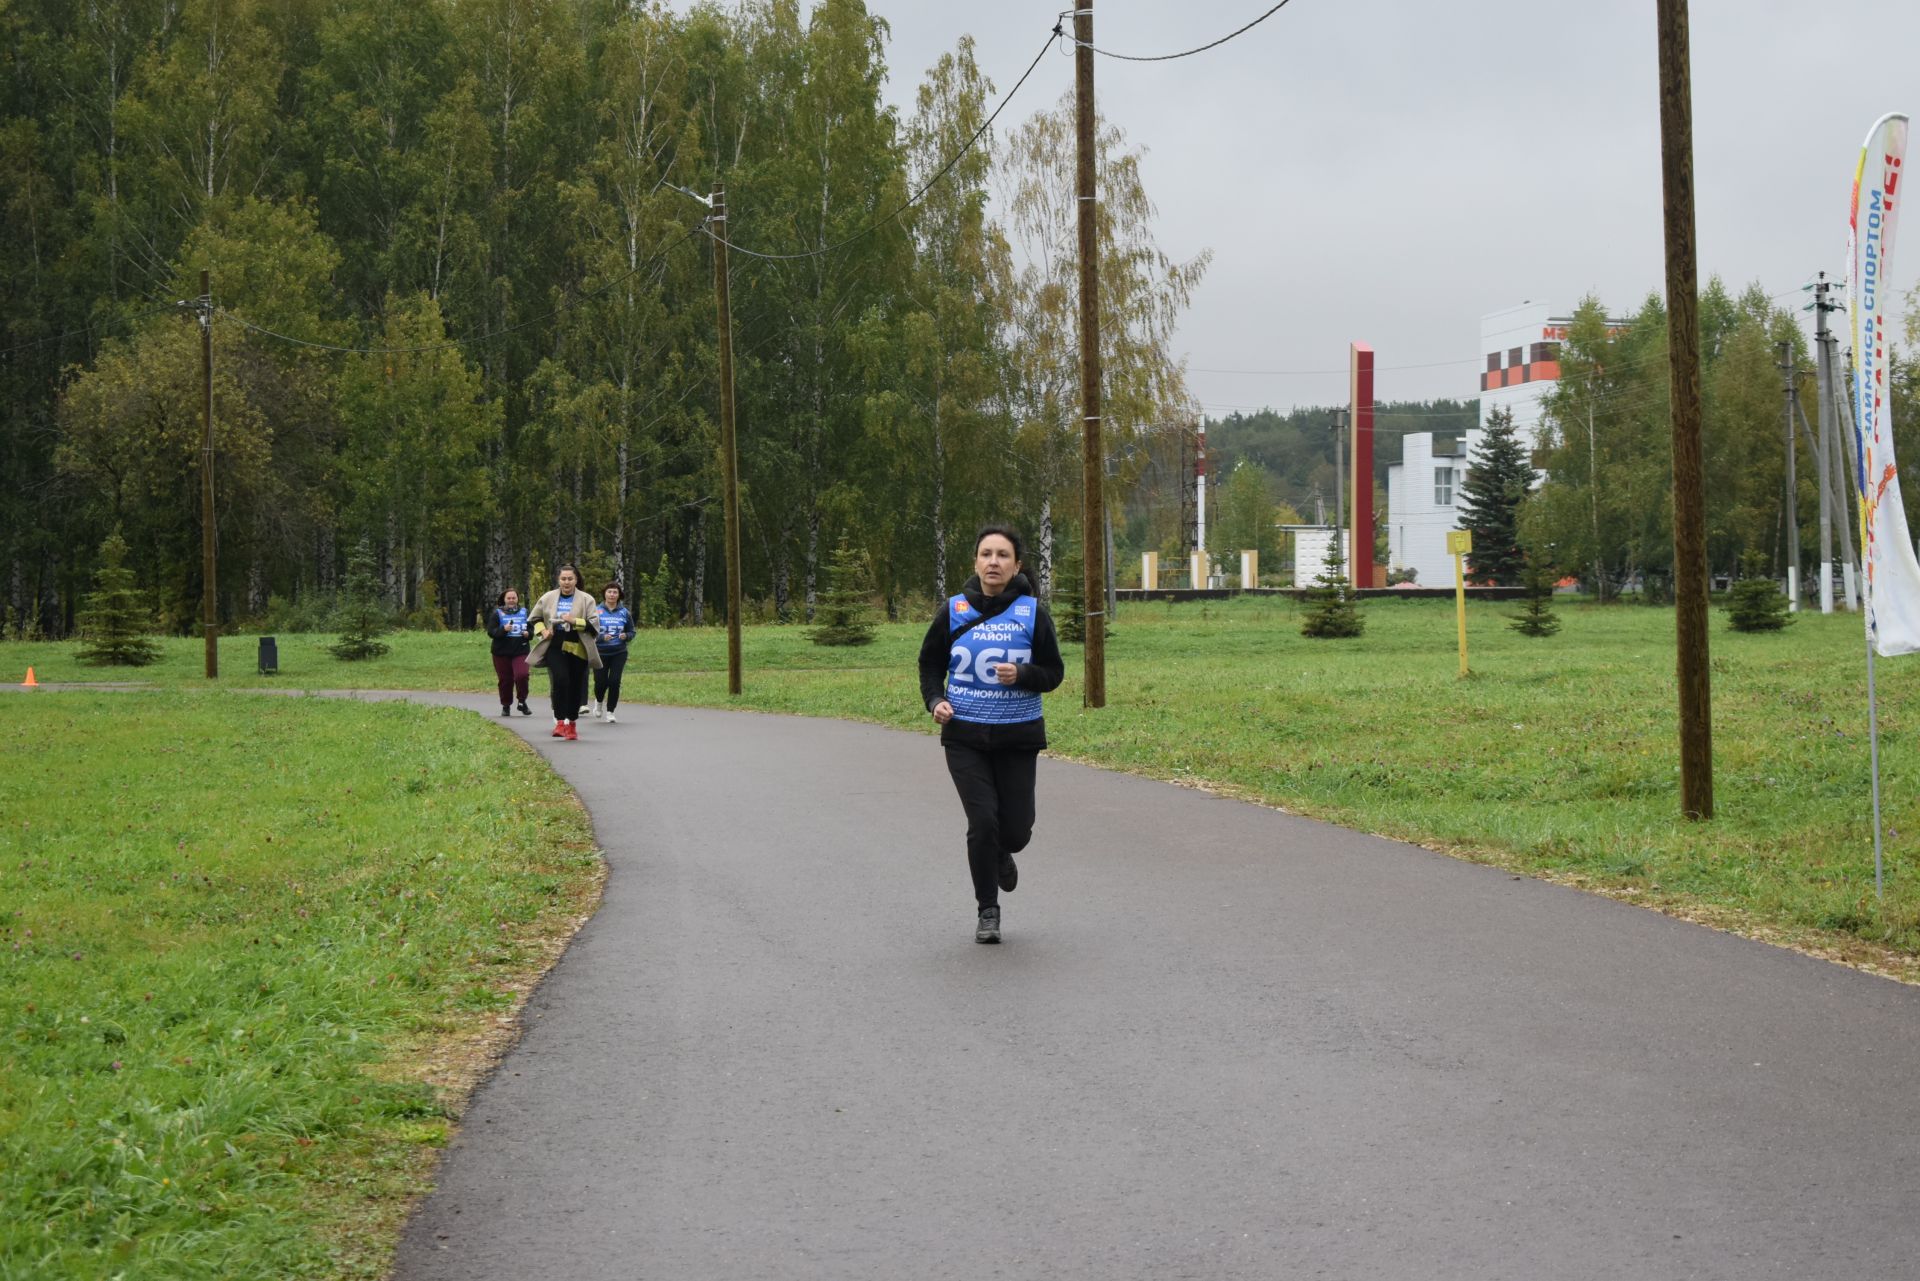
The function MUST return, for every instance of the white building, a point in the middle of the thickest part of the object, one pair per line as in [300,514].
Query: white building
[1522,346]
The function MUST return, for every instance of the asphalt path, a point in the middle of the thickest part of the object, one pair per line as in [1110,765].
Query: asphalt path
[1218,1041]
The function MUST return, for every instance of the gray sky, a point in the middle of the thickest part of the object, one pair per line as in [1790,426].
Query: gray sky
[1390,170]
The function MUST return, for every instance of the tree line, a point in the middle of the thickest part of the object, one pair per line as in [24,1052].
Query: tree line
[462,308]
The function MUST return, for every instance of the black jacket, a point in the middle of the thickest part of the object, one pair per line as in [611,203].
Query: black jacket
[504,646]
[1042,675]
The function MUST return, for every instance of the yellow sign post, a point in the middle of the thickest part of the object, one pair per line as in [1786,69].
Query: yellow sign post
[1460,542]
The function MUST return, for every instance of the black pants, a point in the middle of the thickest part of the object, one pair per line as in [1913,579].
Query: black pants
[567,679]
[606,677]
[996,789]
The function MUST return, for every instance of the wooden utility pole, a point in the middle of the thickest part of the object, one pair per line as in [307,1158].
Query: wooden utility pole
[1683,364]
[1093,453]
[729,453]
[209,619]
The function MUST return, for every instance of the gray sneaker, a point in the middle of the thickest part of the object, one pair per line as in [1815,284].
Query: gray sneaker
[988,930]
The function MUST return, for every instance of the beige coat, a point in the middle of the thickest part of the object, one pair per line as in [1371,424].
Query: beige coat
[586,625]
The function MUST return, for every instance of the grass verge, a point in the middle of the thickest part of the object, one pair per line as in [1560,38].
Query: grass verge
[255,952]
[1556,758]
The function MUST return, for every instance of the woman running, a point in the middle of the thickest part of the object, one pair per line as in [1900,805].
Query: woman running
[507,624]
[564,622]
[986,660]
[616,629]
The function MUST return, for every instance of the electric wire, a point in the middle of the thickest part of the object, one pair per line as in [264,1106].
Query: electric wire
[474,340]
[1169,57]
[29,344]
[925,187]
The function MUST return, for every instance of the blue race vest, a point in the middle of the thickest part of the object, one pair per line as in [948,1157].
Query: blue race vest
[976,694]
[613,627]
[513,623]
[563,606]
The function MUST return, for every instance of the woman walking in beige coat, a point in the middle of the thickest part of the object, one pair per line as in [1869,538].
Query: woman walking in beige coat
[564,622]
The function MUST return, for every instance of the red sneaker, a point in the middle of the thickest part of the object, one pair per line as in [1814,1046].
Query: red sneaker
[559,729]
[573,735]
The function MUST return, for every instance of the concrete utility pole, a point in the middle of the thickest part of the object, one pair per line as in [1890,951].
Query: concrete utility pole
[1340,487]
[1200,496]
[1593,493]
[1094,682]
[1694,676]
[1833,507]
[208,598]
[729,453]
[1846,498]
[1793,485]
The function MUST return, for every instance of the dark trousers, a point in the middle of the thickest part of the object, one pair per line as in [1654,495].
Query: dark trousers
[996,790]
[511,671]
[567,678]
[606,677]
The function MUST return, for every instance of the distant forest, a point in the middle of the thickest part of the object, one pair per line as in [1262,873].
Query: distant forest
[1296,447]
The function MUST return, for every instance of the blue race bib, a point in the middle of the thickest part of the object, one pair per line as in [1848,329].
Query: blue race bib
[975,692]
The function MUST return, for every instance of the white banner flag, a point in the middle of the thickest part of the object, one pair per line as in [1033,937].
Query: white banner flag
[1892,569]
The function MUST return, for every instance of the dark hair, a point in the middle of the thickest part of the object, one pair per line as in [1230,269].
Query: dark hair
[1007,532]
[501,599]
[614,587]
[568,565]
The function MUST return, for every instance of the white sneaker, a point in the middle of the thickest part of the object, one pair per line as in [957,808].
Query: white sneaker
[610,718]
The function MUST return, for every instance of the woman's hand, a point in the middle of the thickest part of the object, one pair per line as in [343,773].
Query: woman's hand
[942,711]
[1007,673]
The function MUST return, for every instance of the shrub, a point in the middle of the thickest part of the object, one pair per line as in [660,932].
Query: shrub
[361,619]
[845,616]
[115,623]
[1756,603]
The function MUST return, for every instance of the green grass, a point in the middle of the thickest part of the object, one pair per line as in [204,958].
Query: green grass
[1558,756]
[240,937]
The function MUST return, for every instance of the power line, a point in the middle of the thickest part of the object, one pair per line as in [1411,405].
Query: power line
[915,198]
[31,343]
[1169,57]
[444,344]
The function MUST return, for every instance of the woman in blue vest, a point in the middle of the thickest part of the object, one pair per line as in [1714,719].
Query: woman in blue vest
[507,624]
[616,629]
[986,660]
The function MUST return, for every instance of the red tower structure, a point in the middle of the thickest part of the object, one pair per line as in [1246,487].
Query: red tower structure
[1361,570]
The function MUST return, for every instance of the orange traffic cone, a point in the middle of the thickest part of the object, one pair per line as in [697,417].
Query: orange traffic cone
[30,683]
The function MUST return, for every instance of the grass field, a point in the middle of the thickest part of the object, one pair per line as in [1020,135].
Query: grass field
[253,949]
[1556,757]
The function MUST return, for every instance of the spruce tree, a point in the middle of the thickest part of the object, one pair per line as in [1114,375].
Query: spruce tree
[1499,478]
[115,623]
[845,617]
[654,606]
[1536,616]
[1756,603]
[1069,606]
[361,618]
[1331,613]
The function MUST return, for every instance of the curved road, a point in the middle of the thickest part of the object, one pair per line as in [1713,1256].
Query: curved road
[1218,1041]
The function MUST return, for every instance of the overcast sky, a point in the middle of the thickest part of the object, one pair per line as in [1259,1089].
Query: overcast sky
[1391,170]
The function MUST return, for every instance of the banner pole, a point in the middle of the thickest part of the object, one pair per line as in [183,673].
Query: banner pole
[1873,740]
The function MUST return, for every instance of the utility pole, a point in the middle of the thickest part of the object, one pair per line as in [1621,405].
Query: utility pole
[1693,674]
[1846,496]
[729,454]
[1200,501]
[1593,493]
[1793,486]
[208,601]
[1340,486]
[1824,456]
[1094,681]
